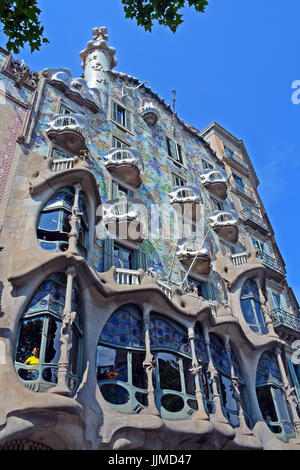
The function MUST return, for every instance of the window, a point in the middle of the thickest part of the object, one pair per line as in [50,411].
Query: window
[117,143]
[121,115]
[53,227]
[38,343]
[216,205]
[251,307]
[238,181]
[177,180]
[270,395]
[204,289]
[119,256]
[119,191]
[120,353]
[221,362]
[261,246]
[63,109]
[59,154]
[206,165]
[174,150]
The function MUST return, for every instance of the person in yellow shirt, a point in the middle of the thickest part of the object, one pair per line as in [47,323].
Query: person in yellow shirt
[33,360]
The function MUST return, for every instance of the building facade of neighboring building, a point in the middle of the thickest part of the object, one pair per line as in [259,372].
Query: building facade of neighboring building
[144,301]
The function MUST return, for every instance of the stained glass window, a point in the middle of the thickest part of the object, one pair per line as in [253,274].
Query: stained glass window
[165,335]
[124,328]
[251,307]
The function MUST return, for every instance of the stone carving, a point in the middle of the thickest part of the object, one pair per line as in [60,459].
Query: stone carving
[100,33]
[22,75]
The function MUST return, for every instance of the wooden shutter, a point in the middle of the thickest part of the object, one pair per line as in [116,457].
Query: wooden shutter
[114,111]
[108,253]
[127,119]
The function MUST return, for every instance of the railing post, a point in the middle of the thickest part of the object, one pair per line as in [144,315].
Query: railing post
[74,222]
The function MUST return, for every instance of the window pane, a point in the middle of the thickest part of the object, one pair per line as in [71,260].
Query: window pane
[280,402]
[248,311]
[226,393]
[29,338]
[49,221]
[111,364]
[266,403]
[188,377]
[169,373]
[52,352]
[139,376]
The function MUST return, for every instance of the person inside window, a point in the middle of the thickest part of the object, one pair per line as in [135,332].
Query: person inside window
[33,360]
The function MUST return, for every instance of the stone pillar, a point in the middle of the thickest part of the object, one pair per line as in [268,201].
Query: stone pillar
[236,391]
[68,317]
[74,222]
[149,363]
[196,371]
[218,416]
[289,392]
[265,310]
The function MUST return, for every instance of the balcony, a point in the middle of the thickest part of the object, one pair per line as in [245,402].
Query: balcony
[244,192]
[186,201]
[194,257]
[284,319]
[225,224]
[123,219]
[233,160]
[150,113]
[125,164]
[67,131]
[255,221]
[216,182]
[274,266]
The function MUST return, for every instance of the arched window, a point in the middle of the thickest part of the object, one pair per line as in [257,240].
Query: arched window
[120,355]
[54,227]
[270,395]
[38,342]
[251,307]
[221,362]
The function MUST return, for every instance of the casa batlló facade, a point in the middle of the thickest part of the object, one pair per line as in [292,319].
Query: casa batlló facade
[144,302]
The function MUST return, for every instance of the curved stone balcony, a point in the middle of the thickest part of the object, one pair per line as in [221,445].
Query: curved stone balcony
[122,218]
[186,200]
[67,131]
[216,182]
[150,113]
[125,164]
[225,224]
[194,257]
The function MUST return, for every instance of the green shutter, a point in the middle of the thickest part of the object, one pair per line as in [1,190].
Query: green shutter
[114,111]
[108,248]
[114,190]
[127,120]
[139,260]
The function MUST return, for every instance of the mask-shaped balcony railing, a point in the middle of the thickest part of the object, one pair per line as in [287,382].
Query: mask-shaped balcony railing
[150,113]
[125,164]
[67,131]
[281,318]
[225,224]
[74,88]
[123,219]
[194,257]
[186,201]
[216,182]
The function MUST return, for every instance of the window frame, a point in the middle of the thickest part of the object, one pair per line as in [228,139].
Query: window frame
[126,123]
[179,160]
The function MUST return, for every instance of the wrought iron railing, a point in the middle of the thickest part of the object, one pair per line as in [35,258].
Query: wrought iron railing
[271,262]
[282,318]
[247,214]
[231,155]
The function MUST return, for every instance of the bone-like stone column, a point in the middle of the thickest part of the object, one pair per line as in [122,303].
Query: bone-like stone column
[218,416]
[149,363]
[265,310]
[68,317]
[196,370]
[74,222]
[288,391]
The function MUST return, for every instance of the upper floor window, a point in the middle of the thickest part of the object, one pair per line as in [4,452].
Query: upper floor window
[117,143]
[216,205]
[174,150]
[251,307]
[204,289]
[119,191]
[206,165]
[121,115]
[238,181]
[54,226]
[177,180]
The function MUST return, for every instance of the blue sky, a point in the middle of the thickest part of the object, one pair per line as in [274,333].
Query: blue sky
[235,64]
